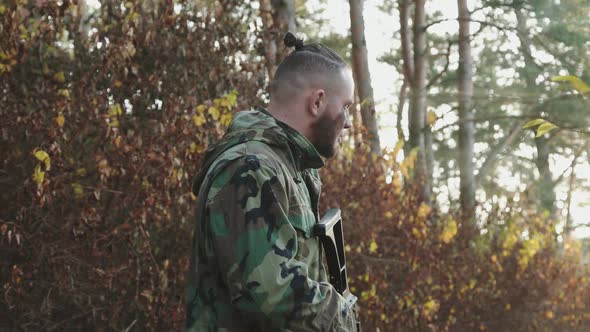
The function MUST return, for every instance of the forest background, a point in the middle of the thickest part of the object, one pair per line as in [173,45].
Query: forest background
[470,148]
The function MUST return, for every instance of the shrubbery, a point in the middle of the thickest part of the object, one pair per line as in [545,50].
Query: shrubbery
[101,136]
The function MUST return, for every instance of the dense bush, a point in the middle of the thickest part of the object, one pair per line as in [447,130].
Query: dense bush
[416,269]
[100,138]
[104,121]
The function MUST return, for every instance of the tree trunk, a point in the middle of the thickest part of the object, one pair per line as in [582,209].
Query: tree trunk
[270,46]
[278,17]
[466,126]
[360,66]
[400,111]
[546,187]
[568,228]
[417,113]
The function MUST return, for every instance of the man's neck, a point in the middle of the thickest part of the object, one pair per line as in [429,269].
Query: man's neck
[291,116]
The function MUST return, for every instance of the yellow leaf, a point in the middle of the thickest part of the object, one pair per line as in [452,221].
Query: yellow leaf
[59,76]
[449,231]
[432,117]
[118,84]
[226,119]
[388,215]
[78,190]
[60,120]
[199,120]
[38,175]
[232,97]
[225,103]
[545,128]
[533,123]
[115,110]
[373,246]
[201,108]
[549,314]
[214,112]
[423,211]
[64,93]
[577,83]
[81,171]
[2,9]
[430,307]
[118,141]
[416,232]
[43,157]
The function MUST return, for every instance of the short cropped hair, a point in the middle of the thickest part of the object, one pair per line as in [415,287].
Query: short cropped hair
[306,63]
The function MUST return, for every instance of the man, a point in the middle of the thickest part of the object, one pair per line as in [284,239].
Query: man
[256,265]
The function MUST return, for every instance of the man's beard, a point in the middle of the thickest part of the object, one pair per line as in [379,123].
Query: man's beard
[324,135]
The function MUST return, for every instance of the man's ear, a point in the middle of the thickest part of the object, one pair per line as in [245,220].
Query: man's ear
[317,102]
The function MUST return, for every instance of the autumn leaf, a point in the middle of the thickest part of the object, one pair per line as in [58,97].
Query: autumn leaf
[78,190]
[81,172]
[199,120]
[43,157]
[201,108]
[576,83]
[38,175]
[423,211]
[449,231]
[533,123]
[59,76]
[432,118]
[64,93]
[545,128]
[214,112]
[226,119]
[232,97]
[60,120]
[373,246]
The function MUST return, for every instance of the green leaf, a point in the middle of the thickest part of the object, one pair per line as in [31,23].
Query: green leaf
[545,128]
[533,123]
[577,83]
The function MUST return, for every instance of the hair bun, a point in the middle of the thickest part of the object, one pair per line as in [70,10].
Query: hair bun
[291,41]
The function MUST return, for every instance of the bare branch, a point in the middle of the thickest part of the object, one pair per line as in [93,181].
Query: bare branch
[572,164]
[496,151]
[446,67]
[404,12]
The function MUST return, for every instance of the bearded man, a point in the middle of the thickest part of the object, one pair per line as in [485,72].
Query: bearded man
[255,264]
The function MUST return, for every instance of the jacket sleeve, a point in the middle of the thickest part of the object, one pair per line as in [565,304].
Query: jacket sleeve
[255,245]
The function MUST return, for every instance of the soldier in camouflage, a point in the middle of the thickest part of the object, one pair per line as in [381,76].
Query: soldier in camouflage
[255,264]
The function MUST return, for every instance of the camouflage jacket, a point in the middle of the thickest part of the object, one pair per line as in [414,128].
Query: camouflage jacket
[255,264]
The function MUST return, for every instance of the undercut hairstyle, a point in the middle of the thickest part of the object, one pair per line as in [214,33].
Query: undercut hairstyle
[307,64]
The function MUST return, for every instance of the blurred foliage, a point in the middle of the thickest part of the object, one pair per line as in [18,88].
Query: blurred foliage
[106,113]
[417,269]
